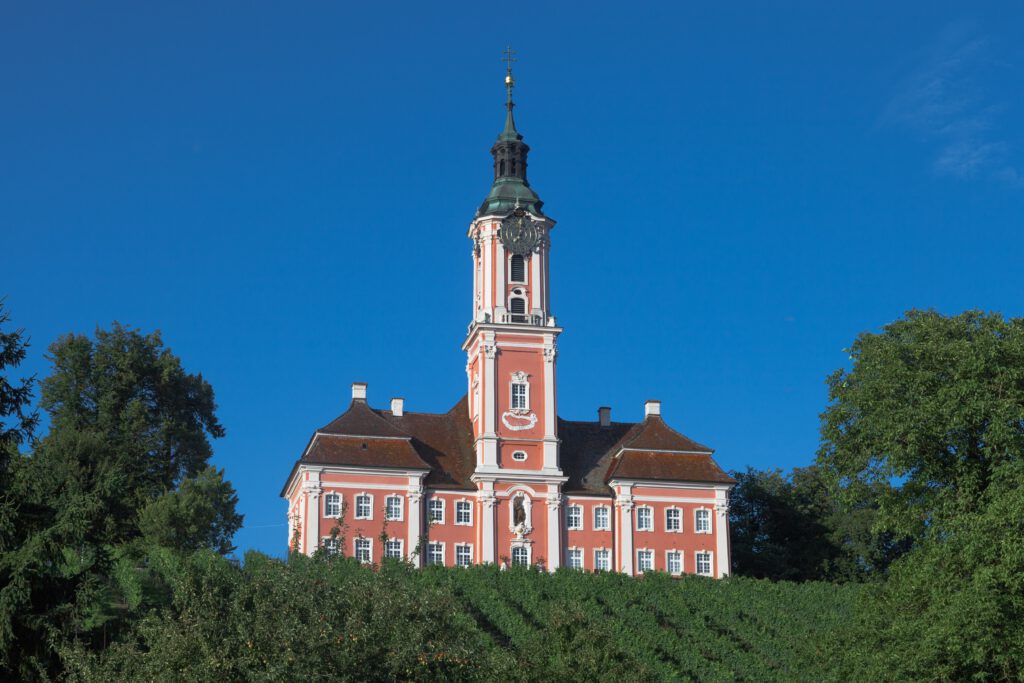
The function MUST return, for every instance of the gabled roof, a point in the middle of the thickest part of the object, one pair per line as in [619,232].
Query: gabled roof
[361,420]
[442,444]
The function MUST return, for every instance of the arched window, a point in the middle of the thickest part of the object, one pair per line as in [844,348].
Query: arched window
[501,168]
[518,268]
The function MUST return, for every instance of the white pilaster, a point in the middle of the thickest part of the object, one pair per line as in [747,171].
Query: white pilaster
[415,525]
[501,285]
[625,505]
[722,533]
[554,501]
[311,527]
[536,287]
[487,505]
[486,253]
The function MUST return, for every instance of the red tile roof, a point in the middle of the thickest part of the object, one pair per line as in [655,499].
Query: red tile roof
[442,443]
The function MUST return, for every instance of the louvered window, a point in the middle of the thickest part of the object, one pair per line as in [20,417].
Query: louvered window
[518,269]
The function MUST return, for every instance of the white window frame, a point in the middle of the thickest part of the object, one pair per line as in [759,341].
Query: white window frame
[430,513]
[370,507]
[401,548]
[597,562]
[369,549]
[579,518]
[327,512]
[696,523]
[430,561]
[333,540]
[524,548]
[522,459]
[608,511]
[679,515]
[650,518]
[578,552]
[668,563]
[646,552]
[469,548]
[512,393]
[711,563]
[401,507]
[469,505]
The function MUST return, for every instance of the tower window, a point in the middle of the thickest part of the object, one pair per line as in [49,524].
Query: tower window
[518,269]
[520,400]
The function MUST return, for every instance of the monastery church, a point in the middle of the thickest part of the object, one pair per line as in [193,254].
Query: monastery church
[500,477]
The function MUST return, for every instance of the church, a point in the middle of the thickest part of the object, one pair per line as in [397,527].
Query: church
[501,478]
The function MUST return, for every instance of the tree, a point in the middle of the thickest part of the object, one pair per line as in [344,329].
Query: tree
[931,416]
[929,409]
[128,449]
[200,514]
[17,421]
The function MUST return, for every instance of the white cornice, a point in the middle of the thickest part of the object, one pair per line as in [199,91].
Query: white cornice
[664,484]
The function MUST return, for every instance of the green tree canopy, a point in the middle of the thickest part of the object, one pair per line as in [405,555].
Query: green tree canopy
[127,452]
[17,421]
[928,410]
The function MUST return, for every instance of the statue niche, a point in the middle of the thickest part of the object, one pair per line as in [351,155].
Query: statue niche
[519,521]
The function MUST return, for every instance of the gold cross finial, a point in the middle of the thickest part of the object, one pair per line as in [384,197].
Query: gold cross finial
[508,59]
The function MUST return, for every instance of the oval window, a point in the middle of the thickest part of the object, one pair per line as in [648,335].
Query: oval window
[519,456]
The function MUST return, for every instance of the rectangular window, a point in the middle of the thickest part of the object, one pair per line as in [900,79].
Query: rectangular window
[463,512]
[644,519]
[393,549]
[463,555]
[574,517]
[704,564]
[393,508]
[519,396]
[602,519]
[436,511]
[575,558]
[364,550]
[435,553]
[603,560]
[332,505]
[673,519]
[703,524]
[364,506]
[675,562]
[520,556]
[645,560]
[331,546]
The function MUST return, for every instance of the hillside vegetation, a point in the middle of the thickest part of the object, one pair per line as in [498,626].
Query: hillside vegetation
[313,619]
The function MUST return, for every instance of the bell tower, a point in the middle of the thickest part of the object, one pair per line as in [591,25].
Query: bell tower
[511,351]
[511,344]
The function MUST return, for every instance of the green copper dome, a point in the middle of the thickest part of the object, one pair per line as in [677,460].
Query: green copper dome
[510,188]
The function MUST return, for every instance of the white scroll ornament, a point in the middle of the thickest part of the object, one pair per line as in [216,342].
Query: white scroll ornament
[523,420]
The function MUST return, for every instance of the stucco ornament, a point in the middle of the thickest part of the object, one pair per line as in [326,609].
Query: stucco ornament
[519,233]
[518,420]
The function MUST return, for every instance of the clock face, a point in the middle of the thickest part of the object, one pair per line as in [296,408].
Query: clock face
[519,233]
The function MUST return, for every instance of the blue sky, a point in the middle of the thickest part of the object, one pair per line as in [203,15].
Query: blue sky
[283,190]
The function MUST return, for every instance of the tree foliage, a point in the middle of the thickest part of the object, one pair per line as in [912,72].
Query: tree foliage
[930,408]
[17,420]
[794,527]
[931,414]
[127,449]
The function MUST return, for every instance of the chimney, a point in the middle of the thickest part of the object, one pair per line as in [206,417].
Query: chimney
[652,407]
[398,407]
[604,415]
[358,391]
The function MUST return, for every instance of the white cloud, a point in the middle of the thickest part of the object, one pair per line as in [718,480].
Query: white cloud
[942,101]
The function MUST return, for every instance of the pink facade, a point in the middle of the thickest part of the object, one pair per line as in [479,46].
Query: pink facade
[500,478]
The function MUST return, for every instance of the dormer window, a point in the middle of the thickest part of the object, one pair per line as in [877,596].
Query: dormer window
[518,268]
